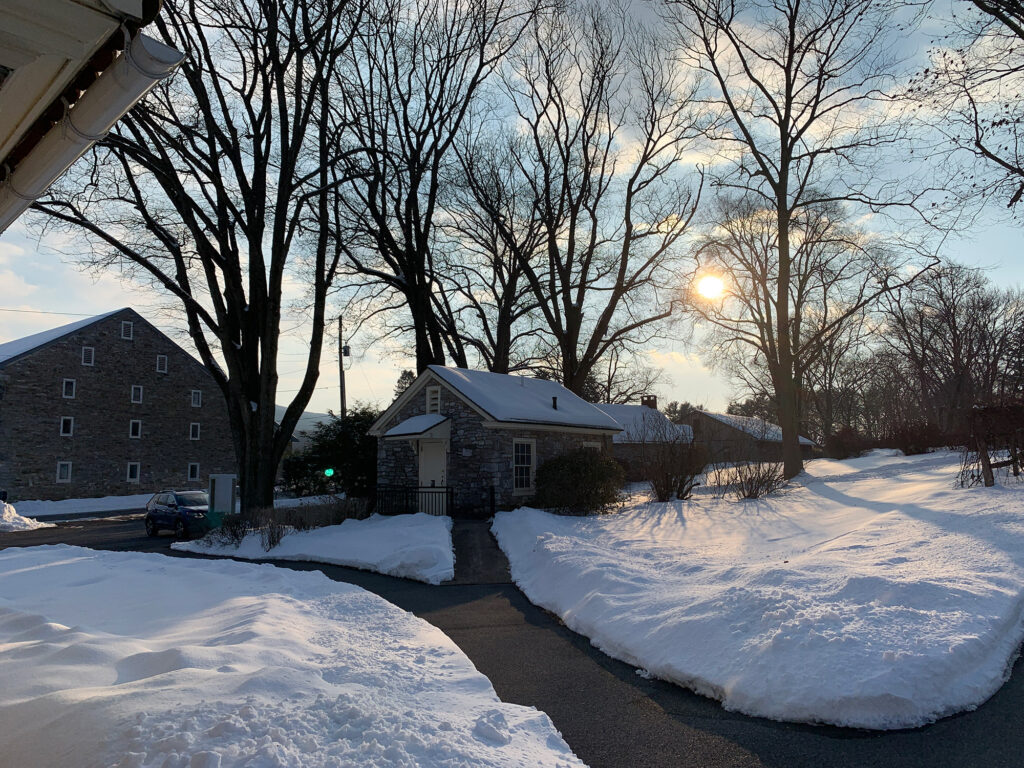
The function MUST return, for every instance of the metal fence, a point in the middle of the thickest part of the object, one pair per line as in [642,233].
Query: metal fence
[402,500]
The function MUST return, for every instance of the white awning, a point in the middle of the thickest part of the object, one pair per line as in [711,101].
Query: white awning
[427,425]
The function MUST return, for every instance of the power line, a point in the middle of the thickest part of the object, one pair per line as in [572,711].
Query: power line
[43,312]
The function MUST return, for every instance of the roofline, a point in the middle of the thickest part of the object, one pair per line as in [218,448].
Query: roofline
[43,345]
[376,429]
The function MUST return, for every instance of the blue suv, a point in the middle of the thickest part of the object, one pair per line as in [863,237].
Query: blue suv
[184,512]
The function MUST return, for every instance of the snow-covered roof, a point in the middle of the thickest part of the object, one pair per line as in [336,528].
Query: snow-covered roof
[12,349]
[523,399]
[416,425]
[641,424]
[759,428]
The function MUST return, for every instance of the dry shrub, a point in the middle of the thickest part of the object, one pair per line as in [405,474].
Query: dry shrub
[673,469]
[232,531]
[756,479]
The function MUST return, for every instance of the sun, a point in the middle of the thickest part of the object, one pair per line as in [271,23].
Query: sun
[710,287]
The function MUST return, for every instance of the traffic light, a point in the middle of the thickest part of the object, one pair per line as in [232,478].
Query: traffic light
[329,472]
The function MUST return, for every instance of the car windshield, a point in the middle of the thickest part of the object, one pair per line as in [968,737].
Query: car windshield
[191,498]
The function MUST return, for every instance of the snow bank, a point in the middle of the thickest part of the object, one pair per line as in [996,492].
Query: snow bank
[41,508]
[141,660]
[10,520]
[411,546]
[878,597]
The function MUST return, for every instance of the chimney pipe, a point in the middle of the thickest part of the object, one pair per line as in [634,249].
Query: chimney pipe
[554,403]
[651,401]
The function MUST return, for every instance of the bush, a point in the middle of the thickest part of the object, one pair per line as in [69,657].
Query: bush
[579,483]
[916,437]
[274,524]
[845,444]
[342,444]
[673,469]
[756,479]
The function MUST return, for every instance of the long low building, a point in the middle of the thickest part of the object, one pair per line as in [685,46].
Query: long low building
[729,437]
[107,406]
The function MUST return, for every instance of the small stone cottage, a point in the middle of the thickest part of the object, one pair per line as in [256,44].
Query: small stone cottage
[729,437]
[464,442]
[645,429]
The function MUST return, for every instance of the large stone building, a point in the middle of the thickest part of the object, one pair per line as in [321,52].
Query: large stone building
[477,438]
[107,406]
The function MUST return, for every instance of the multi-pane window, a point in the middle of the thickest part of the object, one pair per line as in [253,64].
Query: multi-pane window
[88,355]
[127,329]
[63,471]
[133,472]
[68,389]
[67,426]
[161,363]
[523,461]
[433,399]
[193,430]
[136,393]
[193,471]
[197,398]
[135,428]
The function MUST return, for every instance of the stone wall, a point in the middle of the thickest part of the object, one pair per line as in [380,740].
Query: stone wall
[100,448]
[479,457]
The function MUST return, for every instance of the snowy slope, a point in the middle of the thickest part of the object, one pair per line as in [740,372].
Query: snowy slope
[411,546]
[146,661]
[877,597]
[11,521]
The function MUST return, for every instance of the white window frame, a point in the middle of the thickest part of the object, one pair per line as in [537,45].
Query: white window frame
[128,472]
[533,467]
[433,399]
[197,398]
[193,478]
[193,430]
[70,421]
[141,393]
[161,359]
[91,356]
[131,429]
[61,464]
[64,389]
[127,329]
[591,445]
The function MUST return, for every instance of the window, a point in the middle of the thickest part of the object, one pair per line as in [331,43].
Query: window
[193,471]
[591,446]
[161,363]
[523,465]
[63,471]
[197,398]
[136,393]
[133,472]
[69,389]
[67,426]
[88,355]
[193,430]
[433,399]
[127,329]
[135,428]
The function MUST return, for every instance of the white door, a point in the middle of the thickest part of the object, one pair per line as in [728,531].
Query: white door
[432,475]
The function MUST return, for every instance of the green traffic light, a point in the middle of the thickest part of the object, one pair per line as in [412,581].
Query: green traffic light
[328,472]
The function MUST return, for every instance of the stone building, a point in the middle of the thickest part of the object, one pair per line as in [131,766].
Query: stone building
[475,436]
[645,430]
[104,407]
[729,437]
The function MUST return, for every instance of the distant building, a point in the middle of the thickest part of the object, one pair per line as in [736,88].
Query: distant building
[107,406]
[729,437]
[643,428]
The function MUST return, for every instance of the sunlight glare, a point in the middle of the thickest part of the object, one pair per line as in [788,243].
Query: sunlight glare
[710,287]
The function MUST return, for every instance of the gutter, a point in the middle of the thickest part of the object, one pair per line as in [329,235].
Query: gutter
[143,63]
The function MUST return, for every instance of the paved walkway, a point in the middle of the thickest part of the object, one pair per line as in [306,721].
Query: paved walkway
[611,717]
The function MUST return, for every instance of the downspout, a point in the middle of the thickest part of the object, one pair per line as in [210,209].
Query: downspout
[142,64]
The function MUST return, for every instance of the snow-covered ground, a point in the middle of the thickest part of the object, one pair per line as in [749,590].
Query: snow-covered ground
[412,546]
[11,521]
[56,509]
[146,661]
[870,593]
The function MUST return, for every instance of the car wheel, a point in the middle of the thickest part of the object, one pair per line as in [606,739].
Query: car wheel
[151,529]
[179,529]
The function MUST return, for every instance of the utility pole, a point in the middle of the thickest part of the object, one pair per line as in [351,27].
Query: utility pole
[343,352]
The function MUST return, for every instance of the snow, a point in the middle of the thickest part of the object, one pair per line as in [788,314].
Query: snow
[147,661]
[872,593]
[641,424]
[410,546]
[42,508]
[11,521]
[759,428]
[20,346]
[416,425]
[524,399]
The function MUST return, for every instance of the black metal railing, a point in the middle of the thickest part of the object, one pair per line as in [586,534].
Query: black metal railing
[402,500]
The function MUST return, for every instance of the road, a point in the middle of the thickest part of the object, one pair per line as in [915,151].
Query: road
[610,716]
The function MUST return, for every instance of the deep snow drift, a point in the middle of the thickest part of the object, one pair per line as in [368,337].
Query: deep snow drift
[412,546]
[11,521]
[871,593]
[141,660]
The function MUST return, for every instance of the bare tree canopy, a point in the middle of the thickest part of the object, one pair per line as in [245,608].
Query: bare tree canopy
[221,185]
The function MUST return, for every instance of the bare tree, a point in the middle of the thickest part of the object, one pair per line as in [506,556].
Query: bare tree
[802,87]
[221,184]
[408,84]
